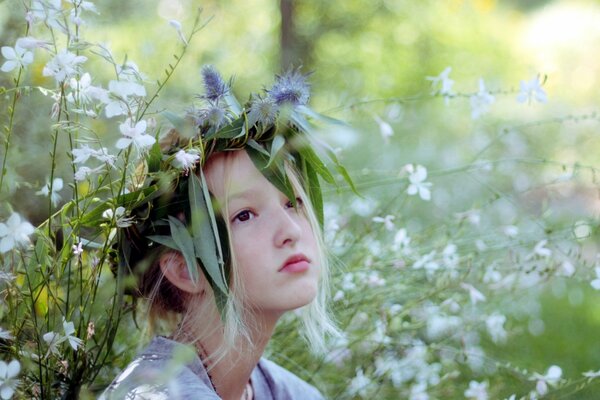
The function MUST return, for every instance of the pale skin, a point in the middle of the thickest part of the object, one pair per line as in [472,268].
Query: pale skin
[277,257]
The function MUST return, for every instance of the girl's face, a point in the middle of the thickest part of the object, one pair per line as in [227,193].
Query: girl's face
[275,248]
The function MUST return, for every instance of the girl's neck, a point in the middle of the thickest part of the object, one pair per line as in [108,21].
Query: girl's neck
[231,373]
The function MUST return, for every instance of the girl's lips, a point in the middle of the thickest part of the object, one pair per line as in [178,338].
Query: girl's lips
[296,263]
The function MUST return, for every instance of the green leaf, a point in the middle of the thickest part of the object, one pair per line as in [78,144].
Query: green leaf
[309,155]
[274,173]
[205,235]
[276,146]
[183,240]
[183,127]
[233,104]
[319,117]
[154,158]
[228,132]
[314,191]
[256,146]
[165,241]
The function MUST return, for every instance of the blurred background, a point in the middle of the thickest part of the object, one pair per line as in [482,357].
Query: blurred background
[528,165]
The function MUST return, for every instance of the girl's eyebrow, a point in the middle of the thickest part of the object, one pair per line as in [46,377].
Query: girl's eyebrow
[243,195]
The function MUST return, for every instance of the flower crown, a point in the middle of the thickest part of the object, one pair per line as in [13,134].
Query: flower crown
[275,127]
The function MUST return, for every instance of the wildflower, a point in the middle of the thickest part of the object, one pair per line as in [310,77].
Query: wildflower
[418,391]
[291,87]
[477,391]
[374,280]
[510,230]
[64,65]
[596,282]
[540,250]
[16,57]
[475,295]
[14,233]
[185,160]
[134,134]
[82,154]
[339,295]
[57,185]
[130,72]
[417,176]
[91,330]
[262,110]
[387,221]
[53,339]
[481,101]
[77,248]
[8,373]
[551,378]
[69,329]
[85,172]
[384,128]
[359,384]
[48,11]
[592,374]
[531,89]
[495,327]
[120,99]
[177,25]
[119,214]
[442,84]
[402,242]
[31,43]
[214,86]
[83,91]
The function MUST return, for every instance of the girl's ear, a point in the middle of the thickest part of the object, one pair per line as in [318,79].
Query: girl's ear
[174,267]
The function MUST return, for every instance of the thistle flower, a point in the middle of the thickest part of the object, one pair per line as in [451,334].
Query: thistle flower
[263,111]
[290,87]
[214,115]
[214,85]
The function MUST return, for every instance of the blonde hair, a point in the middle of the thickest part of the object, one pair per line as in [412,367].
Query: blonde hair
[199,314]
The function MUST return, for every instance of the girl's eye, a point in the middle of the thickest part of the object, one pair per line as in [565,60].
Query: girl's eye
[244,216]
[299,203]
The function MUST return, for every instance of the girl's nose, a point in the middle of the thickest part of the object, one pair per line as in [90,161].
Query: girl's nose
[288,229]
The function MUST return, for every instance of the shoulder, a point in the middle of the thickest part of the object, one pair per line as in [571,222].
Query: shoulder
[161,372]
[284,385]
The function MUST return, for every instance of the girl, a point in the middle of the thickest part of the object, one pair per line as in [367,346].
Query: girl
[270,238]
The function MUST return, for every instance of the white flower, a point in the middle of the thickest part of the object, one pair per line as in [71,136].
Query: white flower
[63,66]
[596,282]
[83,91]
[14,233]
[53,339]
[531,89]
[592,374]
[481,101]
[417,176]
[495,327]
[374,280]
[402,242]
[388,221]
[551,378]
[475,295]
[510,230]
[48,11]
[77,248]
[477,391]
[384,128]
[8,383]
[31,43]
[122,97]
[442,83]
[177,25]
[185,160]
[57,185]
[82,154]
[85,172]
[418,391]
[540,250]
[69,329]
[119,214]
[16,57]
[360,384]
[134,134]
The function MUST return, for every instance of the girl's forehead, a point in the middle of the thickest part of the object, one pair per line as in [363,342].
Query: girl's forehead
[233,174]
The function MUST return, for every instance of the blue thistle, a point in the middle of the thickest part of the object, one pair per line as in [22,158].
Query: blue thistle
[213,116]
[291,87]
[214,85]
[263,110]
